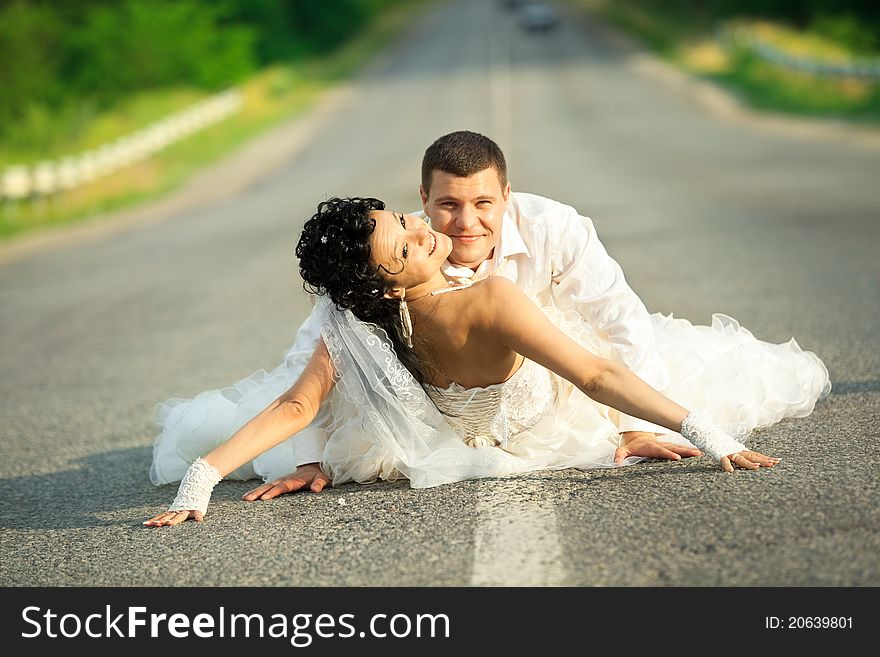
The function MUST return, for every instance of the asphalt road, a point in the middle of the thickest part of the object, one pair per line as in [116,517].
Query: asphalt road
[706,211]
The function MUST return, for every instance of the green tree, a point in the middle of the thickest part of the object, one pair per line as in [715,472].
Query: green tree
[30,39]
[152,43]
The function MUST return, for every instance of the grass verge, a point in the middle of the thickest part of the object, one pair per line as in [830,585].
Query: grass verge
[691,41]
[271,96]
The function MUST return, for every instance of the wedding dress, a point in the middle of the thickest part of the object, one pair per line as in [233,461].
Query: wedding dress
[382,424]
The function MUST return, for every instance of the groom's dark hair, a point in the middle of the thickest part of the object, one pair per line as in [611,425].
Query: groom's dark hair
[463,154]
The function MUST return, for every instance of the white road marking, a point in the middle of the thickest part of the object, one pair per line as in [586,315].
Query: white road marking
[516,542]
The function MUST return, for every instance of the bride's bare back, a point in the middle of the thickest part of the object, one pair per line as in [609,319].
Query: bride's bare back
[454,337]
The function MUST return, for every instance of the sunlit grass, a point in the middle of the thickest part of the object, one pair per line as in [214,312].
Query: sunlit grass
[705,56]
[797,42]
[692,42]
[768,86]
[166,170]
[87,128]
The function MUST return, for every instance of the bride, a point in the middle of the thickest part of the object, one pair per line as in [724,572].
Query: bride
[438,380]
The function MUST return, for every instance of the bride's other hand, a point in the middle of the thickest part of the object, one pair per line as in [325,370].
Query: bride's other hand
[645,443]
[747,460]
[309,475]
[170,518]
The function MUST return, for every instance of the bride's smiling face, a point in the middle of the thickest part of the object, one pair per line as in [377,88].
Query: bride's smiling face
[405,249]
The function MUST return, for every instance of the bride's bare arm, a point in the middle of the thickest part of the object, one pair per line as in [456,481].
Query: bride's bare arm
[285,416]
[291,412]
[512,318]
[522,326]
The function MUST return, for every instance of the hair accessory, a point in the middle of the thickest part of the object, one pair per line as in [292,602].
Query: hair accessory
[323,239]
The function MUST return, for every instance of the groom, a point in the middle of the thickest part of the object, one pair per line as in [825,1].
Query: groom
[546,248]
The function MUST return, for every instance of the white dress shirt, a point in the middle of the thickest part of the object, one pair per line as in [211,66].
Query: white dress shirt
[554,255]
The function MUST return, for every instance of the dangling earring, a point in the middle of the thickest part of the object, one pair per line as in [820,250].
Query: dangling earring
[405,320]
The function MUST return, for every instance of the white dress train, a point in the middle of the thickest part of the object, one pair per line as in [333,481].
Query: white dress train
[382,425]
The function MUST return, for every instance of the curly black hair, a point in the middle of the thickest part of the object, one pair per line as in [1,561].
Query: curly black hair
[334,261]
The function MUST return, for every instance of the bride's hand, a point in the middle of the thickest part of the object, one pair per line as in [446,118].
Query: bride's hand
[644,443]
[307,477]
[747,460]
[170,518]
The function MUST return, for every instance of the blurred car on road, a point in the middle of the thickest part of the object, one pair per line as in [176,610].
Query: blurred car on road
[538,17]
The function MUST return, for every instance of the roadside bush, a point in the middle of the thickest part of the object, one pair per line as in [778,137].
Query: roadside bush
[30,39]
[142,44]
[61,62]
[848,31]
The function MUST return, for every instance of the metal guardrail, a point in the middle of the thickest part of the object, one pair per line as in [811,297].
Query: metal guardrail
[50,177]
[741,37]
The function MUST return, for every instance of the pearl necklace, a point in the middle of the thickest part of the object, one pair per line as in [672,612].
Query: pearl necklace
[451,288]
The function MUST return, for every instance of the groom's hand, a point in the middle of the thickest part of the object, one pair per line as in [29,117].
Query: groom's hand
[645,443]
[309,475]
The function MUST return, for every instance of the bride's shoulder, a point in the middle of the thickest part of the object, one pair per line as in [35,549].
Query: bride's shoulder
[495,285]
[501,309]
[495,293]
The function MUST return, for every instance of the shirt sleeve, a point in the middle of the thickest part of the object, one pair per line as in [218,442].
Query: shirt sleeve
[591,282]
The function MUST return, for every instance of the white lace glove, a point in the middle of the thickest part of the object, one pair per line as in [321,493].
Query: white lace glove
[709,437]
[195,487]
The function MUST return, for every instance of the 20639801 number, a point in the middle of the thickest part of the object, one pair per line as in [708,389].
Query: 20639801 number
[808,622]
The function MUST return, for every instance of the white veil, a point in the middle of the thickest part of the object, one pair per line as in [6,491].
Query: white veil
[383,424]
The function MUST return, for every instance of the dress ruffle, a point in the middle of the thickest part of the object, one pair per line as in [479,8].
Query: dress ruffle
[191,428]
[743,383]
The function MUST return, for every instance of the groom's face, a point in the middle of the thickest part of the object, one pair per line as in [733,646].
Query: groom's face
[469,210]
